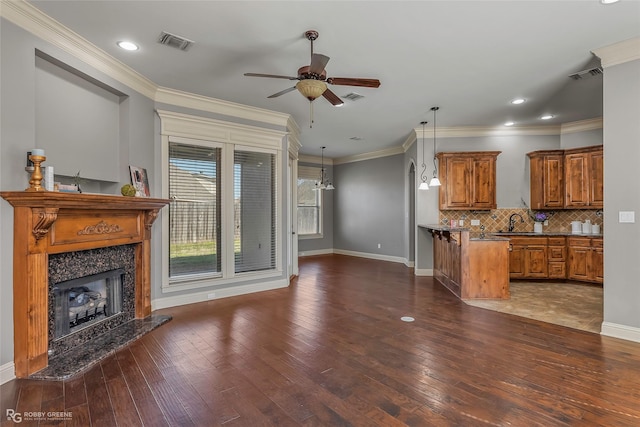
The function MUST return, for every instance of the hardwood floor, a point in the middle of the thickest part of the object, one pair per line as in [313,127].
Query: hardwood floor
[331,350]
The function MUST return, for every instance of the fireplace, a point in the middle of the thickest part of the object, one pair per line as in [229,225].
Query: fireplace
[65,244]
[83,302]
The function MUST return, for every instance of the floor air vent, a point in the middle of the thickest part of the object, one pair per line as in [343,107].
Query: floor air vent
[174,41]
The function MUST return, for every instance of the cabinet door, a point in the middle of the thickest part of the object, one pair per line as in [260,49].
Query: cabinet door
[516,261]
[458,191]
[596,180]
[483,183]
[576,180]
[536,261]
[553,181]
[597,261]
[579,262]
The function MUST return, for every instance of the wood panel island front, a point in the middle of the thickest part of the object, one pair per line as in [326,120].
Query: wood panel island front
[470,266]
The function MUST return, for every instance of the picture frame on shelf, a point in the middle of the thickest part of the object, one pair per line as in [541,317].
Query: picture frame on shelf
[140,181]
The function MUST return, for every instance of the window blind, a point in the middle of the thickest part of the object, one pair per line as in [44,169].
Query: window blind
[194,212]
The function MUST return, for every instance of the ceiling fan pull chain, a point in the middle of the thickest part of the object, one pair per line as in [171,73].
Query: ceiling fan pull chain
[310,114]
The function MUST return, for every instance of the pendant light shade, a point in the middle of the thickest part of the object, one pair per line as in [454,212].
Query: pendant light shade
[435,182]
[423,175]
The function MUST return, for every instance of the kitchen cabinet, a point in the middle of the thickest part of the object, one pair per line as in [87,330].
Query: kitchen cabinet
[556,257]
[528,258]
[468,180]
[584,178]
[586,259]
[471,268]
[546,179]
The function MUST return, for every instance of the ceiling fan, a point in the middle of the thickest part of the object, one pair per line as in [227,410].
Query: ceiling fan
[313,78]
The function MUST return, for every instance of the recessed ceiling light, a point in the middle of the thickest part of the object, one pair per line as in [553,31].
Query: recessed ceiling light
[510,123]
[518,101]
[127,45]
[608,1]
[546,117]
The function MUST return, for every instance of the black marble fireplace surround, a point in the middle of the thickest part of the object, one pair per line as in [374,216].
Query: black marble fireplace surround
[73,265]
[73,353]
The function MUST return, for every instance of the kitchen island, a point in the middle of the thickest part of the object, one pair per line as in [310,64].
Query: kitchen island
[469,265]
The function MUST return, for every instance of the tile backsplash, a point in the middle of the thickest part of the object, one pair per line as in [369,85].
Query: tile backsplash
[498,219]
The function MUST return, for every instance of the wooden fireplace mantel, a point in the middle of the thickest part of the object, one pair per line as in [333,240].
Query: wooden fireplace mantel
[52,222]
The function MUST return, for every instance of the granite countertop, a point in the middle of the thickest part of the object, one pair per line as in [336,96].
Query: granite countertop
[473,235]
[544,234]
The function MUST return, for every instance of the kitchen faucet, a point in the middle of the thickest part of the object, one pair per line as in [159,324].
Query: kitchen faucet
[512,221]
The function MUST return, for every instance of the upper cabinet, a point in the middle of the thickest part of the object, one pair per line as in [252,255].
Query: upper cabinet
[547,179]
[584,178]
[468,180]
[567,178]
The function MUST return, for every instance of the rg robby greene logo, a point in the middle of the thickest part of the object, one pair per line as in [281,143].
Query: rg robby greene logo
[18,417]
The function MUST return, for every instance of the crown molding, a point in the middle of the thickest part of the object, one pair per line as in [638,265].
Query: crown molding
[582,125]
[411,138]
[619,53]
[315,160]
[196,127]
[478,131]
[44,27]
[368,156]
[218,106]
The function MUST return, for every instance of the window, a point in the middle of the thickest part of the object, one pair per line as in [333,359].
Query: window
[221,223]
[309,202]
[194,212]
[254,202]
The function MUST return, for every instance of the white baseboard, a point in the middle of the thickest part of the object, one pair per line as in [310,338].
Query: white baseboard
[371,256]
[409,264]
[624,332]
[316,252]
[231,291]
[7,372]
[424,272]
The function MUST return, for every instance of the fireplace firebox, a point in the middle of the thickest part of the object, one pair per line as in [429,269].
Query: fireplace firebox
[83,302]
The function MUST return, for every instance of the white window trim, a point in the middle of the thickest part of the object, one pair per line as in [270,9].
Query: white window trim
[313,172]
[188,129]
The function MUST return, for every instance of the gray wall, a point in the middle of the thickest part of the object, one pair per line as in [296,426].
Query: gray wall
[621,189]
[581,139]
[369,206]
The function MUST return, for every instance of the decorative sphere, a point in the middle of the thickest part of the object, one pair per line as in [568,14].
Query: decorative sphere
[128,190]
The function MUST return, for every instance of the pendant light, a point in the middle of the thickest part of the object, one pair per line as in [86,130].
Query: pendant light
[435,182]
[423,174]
[324,183]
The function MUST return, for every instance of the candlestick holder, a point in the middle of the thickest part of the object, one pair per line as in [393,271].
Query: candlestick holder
[36,175]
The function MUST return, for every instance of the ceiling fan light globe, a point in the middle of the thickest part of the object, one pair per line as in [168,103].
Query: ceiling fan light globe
[311,89]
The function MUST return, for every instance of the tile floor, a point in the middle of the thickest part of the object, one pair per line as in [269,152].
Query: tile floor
[577,306]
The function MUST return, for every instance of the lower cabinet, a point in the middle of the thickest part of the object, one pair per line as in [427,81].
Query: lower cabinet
[557,258]
[586,259]
[528,258]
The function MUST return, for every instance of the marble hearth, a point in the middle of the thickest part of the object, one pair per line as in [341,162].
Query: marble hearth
[60,237]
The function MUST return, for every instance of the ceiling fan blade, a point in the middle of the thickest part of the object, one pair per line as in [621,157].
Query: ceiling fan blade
[318,62]
[346,81]
[332,98]
[273,76]
[282,92]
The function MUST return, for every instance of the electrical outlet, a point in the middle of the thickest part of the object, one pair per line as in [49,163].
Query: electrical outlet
[475,222]
[211,295]
[461,222]
[378,245]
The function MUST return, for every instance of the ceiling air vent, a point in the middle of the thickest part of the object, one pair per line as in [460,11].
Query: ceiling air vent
[353,96]
[174,41]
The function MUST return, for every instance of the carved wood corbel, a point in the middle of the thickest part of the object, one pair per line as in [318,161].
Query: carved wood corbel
[150,217]
[43,219]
